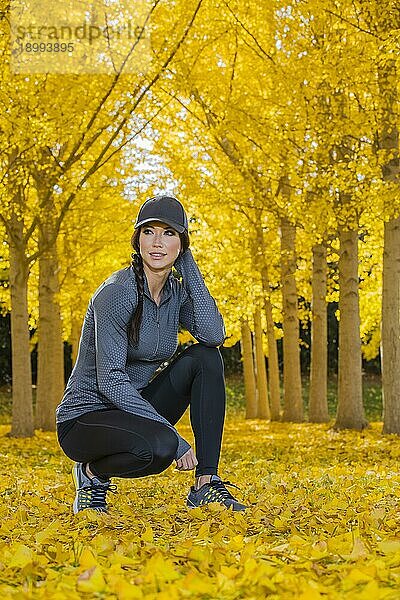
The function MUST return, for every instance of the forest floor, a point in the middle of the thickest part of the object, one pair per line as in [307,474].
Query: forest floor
[323,520]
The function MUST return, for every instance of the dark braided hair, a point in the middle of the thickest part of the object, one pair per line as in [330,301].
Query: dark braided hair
[137,264]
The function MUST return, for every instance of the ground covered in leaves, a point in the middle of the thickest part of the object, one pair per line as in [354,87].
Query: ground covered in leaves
[323,522]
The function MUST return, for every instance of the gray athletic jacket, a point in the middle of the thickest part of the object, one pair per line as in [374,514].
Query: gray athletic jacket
[109,372]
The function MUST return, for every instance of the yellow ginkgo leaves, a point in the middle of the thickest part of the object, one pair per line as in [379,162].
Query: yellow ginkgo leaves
[322,523]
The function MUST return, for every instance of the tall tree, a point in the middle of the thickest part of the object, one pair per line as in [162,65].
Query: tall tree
[263,409]
[70,148]
[318,402]
[248,371]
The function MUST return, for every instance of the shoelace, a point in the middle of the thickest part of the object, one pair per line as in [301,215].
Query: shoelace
[220,487]
[99,492]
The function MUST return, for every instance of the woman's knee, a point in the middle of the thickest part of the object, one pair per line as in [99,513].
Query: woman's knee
[208,355]
[164,446]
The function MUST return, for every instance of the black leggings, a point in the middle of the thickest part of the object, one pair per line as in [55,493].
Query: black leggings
[116,443]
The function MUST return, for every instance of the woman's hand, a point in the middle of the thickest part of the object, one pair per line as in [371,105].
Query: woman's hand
[178,261]
[187,461]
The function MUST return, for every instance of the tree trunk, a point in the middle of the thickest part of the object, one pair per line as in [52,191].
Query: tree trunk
[273,364]
[293,403]
[263,411]
[248,371]
[390,345]
[390,329]
[22,411]
[76,326]
[350,411]
[318,401]
[50,386]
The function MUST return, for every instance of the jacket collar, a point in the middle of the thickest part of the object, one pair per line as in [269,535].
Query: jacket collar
[165,292]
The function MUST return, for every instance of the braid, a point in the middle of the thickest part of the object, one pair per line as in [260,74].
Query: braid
[134,325]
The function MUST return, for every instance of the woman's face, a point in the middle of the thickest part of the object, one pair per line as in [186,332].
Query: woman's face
[159,245]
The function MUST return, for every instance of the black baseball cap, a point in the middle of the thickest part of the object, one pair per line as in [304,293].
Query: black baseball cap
[163,208]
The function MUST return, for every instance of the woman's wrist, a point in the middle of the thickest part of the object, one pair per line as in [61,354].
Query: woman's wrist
[183,259]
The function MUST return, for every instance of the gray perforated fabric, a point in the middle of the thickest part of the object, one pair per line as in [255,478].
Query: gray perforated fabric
[109,372]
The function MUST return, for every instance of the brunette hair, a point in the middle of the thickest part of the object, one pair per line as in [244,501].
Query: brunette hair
[137,264]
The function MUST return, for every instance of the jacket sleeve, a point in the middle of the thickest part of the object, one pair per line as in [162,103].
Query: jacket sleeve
[199,313]
[112,308]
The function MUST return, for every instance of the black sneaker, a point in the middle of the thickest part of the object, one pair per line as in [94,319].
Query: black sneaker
[215,491]
[90,493]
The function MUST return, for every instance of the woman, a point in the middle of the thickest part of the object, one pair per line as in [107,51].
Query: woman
[117,415]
